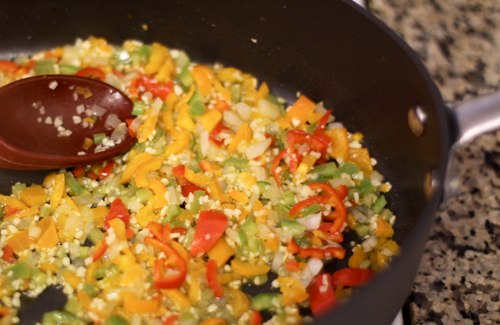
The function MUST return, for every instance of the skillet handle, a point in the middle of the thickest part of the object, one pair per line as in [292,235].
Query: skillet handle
[472,118]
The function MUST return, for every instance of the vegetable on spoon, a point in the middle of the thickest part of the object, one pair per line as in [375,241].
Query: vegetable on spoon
[55,121]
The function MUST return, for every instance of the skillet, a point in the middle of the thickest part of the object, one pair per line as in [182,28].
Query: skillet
[330,50]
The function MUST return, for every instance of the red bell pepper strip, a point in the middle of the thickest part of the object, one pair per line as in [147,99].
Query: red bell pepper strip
[213,282]
[321,295]
[292,266]
[292,247]
[8,66]
[100,250]
[317,199]
[106,170]
[214,135]
[78,171]
[334,199]
[8,254]
[9,211]
[177,267]
[276,162]
[117,210]
[298,137]
[145,84]
[320,126]
[256,318]
[171,320]
[178,172]
[320,142]
[131,131]
[159,231]
[351,277]
[334,252]
[190,188]
[312,252]
[211,225]
[91,72]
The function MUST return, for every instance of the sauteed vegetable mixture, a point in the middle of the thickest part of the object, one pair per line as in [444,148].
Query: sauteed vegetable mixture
[227,188]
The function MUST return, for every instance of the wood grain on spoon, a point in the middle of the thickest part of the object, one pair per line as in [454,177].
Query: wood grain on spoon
[50,122]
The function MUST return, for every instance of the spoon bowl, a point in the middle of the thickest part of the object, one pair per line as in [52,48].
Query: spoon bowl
[56,121]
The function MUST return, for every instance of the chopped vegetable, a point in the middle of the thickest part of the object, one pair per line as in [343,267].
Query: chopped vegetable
[228,187]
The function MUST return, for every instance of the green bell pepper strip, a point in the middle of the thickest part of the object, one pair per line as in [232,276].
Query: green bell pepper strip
[57,317]
[197,107]
[266,301]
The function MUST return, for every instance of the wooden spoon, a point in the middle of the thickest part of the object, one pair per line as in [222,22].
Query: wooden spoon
[51,121]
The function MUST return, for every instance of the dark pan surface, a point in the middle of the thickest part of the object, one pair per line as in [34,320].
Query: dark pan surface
[329,50]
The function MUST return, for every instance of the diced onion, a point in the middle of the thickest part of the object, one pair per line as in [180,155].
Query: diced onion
[119,133]
[112,121]
[136,123]
[268,109]
[311,222]
[278,259]
[313,267]
[232,119]
[244,111]
[258,148]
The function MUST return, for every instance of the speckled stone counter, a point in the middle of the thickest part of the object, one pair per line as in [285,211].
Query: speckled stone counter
[458,281]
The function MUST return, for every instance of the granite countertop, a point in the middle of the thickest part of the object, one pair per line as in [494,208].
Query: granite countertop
[458,281]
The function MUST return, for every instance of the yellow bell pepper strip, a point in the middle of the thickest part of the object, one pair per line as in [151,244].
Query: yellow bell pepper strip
[159,190]
[300,111]
[142,172]
[49,237]
[215,190]
[203,77]
[57,191]
[210,227]
[361,157]
[159,54]
[12,202]
[244,133]
[339,143]
[135,305]
[147,127]
[221,252]
[20,241]
[263,91]
[196,178]
[33,196]
[210,119]
[184,120]
[293,291]
[132,166]
[180,142]
[71,278]
[248,269]
[238,300]
[177,268]
[214,321]
[178,298]
[212,281]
